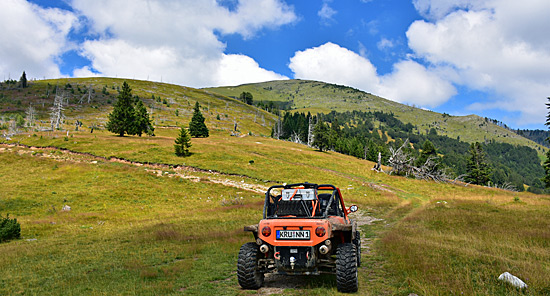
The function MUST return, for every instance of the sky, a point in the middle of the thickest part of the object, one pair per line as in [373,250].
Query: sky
[484,57]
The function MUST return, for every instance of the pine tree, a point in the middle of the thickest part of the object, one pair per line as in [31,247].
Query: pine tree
[142,122]
[321,136]
[247,98]
[478,170]
[122,119]
[183,143]
[23,80]
[197,127]
[428,150]
[546,165]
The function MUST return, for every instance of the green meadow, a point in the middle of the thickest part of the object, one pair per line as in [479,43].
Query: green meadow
[145,222]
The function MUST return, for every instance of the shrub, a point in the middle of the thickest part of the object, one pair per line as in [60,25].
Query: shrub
[9,229]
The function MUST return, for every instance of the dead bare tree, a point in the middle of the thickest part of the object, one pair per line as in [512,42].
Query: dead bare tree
[402,163]
[505,186]
[278,128]
[12,128]
[88,93]
[30,115]
[378,166]
[310,136]
[296,138]
[431,170]
[56,111]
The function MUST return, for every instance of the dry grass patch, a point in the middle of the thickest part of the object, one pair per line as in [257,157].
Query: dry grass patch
[462,246]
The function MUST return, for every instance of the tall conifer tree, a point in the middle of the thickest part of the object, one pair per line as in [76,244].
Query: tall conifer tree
[546,164]
[479,171]
[121,120]
[197,127]
[23,80]
[321,136]
[142,123]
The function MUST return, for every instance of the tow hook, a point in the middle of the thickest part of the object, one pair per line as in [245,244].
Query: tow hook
[292,262]
[277,255]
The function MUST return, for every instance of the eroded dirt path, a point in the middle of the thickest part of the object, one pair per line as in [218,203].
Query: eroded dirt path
[185,172]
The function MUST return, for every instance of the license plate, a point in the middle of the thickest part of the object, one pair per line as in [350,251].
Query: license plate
[293,234]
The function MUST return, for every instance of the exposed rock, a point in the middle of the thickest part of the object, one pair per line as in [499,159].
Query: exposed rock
[66,208]
[512,280]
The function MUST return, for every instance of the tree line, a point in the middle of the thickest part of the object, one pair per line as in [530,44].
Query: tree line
[366,134]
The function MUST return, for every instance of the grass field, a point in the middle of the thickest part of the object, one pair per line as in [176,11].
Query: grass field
[145,222]
[132,230]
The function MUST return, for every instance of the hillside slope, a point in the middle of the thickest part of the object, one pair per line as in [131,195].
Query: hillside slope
[143,221]
[169,105]
[314,96]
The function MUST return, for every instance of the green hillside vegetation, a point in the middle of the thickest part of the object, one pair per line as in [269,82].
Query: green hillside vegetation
[170,105]
[365,134]
[319,97]
[145,221]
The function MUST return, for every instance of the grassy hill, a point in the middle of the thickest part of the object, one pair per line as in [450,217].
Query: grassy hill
[143,221]
[163,100]
[320,97]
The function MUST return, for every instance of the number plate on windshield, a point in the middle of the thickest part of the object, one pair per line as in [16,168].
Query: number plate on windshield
[293,234]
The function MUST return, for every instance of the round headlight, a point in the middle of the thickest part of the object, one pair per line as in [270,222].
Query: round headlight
[320,231]
[266,231]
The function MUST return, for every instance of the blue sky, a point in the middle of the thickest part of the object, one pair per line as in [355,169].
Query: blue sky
[485,57]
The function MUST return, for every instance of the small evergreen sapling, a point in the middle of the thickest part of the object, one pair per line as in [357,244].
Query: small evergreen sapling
[183,143]
[9,229]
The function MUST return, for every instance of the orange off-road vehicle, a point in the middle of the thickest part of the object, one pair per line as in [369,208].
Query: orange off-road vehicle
[305,230]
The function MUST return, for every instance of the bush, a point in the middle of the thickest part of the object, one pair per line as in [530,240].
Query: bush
[9,229]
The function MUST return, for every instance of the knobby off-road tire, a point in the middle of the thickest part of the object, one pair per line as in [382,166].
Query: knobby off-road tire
[346,268]
[357,242]
[247,267]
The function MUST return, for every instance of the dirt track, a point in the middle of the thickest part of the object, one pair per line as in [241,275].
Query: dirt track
[185,172]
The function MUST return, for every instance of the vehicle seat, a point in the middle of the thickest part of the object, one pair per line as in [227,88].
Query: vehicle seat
[324,199]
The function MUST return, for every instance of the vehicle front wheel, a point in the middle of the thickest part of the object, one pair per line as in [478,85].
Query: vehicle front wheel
[247,267]
[346,268]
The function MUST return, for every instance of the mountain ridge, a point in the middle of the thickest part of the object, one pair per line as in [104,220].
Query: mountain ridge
[320,97]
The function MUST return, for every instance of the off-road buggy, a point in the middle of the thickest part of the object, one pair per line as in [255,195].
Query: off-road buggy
[305,230]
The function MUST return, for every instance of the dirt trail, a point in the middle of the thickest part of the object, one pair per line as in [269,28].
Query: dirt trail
[363,218]
[164,170]
[274,283]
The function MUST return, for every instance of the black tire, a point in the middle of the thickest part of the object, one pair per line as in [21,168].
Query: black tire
[247,267]
[346,268]
[357,242]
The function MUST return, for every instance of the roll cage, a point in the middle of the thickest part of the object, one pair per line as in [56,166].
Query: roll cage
[304,200]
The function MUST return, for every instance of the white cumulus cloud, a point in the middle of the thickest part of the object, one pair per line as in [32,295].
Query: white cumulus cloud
[174,40]
[32,39]
[235,69]
[409,82]
[500,47]
[333,63]
[177,41]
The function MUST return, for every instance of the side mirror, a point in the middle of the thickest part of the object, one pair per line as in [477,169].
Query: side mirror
[353,209]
